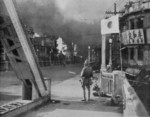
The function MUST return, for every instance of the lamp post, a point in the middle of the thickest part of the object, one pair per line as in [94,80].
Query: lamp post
[92,58]
[110,54]
[89,56]
[50,58]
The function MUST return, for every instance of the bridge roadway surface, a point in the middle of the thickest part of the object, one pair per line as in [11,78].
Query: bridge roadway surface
[67,95]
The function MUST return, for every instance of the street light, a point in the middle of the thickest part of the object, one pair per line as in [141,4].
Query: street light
[89,53]
[50,52]
[92,58]
[110,54]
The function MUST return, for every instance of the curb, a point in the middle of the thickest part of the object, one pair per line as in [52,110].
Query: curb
[26,107]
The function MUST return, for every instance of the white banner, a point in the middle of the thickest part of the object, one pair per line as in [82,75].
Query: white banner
[110,25]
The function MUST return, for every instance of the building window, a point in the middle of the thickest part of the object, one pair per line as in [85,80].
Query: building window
[140,54]
[125,53]
[140,22]
[131,53]
[132,24]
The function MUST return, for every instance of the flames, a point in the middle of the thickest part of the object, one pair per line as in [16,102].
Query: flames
[62,47]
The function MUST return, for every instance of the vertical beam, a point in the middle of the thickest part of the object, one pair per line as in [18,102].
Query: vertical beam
[115,9]
[103,55]
[89,54]
[129,24]
[121,60]
[25,45]
[135,23]
[136,54]
[129,55]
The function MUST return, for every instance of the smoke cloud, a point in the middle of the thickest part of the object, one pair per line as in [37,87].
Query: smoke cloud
[50,17]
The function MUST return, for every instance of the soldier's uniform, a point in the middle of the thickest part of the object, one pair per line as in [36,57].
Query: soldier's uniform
[86,75]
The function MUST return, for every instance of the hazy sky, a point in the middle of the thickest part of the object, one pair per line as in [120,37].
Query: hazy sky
[76,21]
[80,10]
[84,9]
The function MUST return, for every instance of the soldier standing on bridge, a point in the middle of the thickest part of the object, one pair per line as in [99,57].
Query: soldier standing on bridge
[86,74]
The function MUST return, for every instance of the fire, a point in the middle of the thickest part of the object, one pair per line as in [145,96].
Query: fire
[62,47]
[36,35]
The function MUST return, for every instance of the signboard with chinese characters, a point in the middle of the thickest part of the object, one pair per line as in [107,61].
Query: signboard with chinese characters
[135,36]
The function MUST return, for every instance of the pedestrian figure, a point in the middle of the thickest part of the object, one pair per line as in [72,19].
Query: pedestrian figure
[62,59]
[86,81]
[55,59]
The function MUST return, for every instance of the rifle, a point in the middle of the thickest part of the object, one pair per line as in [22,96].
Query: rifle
[81,81]
[91,81]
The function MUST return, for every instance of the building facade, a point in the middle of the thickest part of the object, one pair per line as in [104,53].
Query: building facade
[135,39]
[45,48]
[135,28]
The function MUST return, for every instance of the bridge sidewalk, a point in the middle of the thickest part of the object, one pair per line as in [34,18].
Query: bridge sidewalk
[67,102]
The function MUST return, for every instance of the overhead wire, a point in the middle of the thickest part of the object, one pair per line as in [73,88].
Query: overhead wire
[110,9]
[119,6]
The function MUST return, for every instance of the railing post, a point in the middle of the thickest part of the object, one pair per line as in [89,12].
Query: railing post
[48,84]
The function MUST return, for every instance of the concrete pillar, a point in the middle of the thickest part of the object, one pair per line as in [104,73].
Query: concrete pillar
[136,54]
[45,61]
[27,90]
[103,53]
[135,23]
[129,24]
[50,57]
[129,54]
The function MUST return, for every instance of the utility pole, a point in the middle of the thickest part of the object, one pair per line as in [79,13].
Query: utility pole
[115,10]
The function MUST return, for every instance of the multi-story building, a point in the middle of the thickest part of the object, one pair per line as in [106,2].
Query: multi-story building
[45,48]
[135,36]
[135,27]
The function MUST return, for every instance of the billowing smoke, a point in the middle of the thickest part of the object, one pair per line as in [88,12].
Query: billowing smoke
[46,18]
[43,16]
